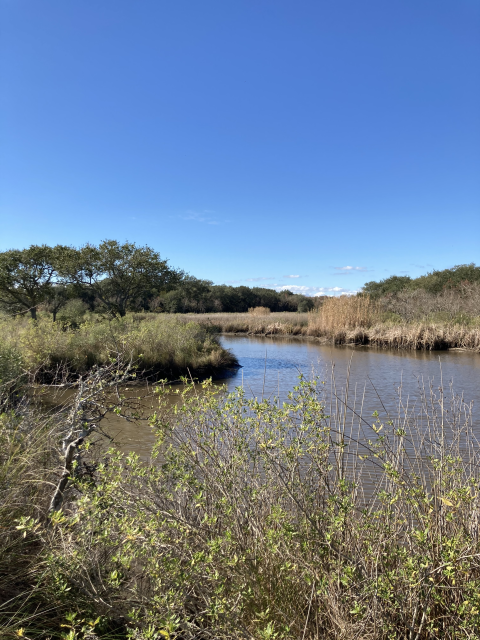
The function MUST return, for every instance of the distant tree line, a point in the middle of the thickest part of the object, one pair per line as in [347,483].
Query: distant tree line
[114,278]
[433,282]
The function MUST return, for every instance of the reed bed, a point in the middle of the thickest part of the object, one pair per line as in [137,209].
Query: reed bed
[275,323]
[160,345]
[259,311]
[357,320]
[255,521]
[344,312]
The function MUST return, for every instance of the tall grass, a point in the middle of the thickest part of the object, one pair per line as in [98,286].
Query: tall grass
[255,520]
[344,312]
[363,321]
[259,311]
[161,345]
[275,323]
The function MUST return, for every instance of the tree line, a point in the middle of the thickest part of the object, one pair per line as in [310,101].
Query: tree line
[433,282]
[114,278]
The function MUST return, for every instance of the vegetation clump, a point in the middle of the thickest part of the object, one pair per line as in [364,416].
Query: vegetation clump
[253,520]
[161,346]
[259,311]
[433,282]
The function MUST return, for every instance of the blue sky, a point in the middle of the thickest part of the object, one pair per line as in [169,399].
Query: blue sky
[301,143]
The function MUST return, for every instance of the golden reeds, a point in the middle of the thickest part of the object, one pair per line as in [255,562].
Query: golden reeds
[344,313]
[350,320]
[259,311]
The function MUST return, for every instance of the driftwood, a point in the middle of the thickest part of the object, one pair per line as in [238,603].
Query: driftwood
[57,499]
[98,393]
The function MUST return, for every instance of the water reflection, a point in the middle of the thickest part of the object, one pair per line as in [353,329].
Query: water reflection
[271,368]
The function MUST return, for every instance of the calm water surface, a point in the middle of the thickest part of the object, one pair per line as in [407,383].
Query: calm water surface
[271,367]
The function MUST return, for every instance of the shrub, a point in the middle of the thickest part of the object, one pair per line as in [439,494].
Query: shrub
[259,311]
[160,345]
[256,521]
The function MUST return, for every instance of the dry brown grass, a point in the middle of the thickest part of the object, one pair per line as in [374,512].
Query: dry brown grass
[280,323]
[354,320]
[343,312]
[259,311]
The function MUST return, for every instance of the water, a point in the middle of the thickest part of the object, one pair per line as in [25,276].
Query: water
[270,367]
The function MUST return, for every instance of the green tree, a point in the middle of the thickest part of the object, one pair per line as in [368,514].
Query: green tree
[118,274]
[57,298]
[435,281]
[394,284]
[27,277]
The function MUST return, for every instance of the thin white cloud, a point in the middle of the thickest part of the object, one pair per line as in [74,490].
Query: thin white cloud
[349,269]
[194,216]
[290,276]
[259,279]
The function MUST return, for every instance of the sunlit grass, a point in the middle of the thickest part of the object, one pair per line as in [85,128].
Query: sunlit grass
[158,344]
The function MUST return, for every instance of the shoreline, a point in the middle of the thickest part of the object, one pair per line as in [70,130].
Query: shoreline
[361,338]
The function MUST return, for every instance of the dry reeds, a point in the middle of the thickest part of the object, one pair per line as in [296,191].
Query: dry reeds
[357,321]
[259,311]
[343,313]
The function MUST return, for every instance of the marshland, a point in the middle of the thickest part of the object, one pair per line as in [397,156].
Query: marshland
[326,488]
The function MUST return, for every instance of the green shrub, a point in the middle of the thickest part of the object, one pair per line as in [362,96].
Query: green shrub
[158,344]
[254,522]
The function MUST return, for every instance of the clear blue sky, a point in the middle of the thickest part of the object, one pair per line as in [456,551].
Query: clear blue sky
[246,140]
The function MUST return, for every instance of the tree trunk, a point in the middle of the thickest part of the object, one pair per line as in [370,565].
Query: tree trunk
[33,312]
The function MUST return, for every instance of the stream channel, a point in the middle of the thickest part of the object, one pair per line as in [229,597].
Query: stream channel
[270,367]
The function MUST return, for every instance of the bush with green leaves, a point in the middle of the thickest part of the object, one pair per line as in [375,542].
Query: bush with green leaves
[260,520]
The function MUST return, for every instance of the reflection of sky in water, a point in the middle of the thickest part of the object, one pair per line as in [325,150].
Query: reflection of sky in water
[370,368]
[377,371]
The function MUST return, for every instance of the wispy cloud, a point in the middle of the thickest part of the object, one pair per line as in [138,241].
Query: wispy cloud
[199,216]
[259,279]
[345,271]
[291,276]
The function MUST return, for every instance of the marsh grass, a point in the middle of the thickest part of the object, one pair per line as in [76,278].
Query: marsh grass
[254,520]
[160,345]
[259,311]
[363,321]
[275,323]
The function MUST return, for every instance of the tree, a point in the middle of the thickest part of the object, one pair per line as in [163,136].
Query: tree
[190,296]
[118,273]
[27,277]
[57,298]
[393,284]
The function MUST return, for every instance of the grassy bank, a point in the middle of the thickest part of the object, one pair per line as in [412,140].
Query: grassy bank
[361,321]
[256,525]
[159,345]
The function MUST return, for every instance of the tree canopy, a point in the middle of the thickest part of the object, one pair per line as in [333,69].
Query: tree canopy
[119,274]
[114,278]
[433,282]
[27,276]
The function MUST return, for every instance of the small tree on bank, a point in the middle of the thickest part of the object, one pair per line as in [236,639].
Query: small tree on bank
[27,277]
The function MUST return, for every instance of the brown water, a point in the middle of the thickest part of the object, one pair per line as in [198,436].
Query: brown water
[271,367]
